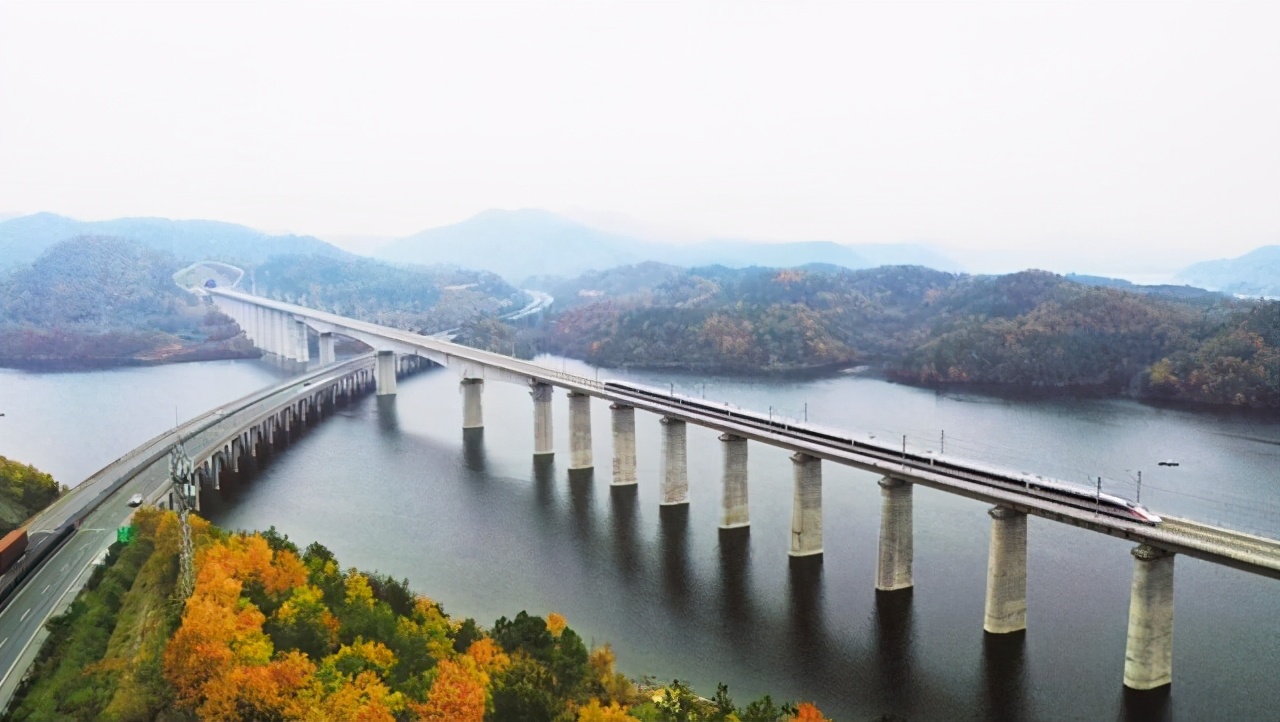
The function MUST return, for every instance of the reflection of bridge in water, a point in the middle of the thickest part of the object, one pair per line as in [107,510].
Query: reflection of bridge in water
[284,329]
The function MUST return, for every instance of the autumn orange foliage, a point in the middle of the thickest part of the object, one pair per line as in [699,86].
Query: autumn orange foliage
[556,624]
[223,666]
[457,695]
[808,712]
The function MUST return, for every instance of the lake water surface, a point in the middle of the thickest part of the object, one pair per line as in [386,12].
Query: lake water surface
[394,485]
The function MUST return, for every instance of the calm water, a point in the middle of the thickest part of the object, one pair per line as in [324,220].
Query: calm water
[395,486]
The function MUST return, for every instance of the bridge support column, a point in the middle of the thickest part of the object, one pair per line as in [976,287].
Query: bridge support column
[303,345]
[1006,609]
[543,439]
[264,329]
[385,373]
[624,444]
[327,353]
[897,543]
[1148,656]
[259,328]
[281,334]
[733,501]
[806,509]
[472,409]
[579,431]
[675,463]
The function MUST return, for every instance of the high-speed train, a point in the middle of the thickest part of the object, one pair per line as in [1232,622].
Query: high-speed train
[1054,490]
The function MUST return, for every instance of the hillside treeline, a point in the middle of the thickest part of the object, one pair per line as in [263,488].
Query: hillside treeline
[272,632]
[101,301]
[96,301]
[1020,331]
[24,490]
[417,298]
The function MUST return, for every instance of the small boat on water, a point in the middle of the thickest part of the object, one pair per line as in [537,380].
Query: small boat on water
[1167,462]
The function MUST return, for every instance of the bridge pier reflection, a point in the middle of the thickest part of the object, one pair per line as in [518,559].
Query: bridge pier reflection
[1004,676]
[473,449]
[895,637]
[804,576]
[735,565]
[674,540]
[623,516]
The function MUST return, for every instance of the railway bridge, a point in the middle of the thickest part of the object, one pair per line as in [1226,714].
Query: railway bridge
[284,330]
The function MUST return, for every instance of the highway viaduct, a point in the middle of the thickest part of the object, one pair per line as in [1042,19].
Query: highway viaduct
[69,537]
[283,329]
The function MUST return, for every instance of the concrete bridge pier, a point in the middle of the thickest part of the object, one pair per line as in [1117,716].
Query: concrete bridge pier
[806,510]
[472,408]
[623,419]
[327,354]
[897,536]
[260,327]
[277,334]
[259,339]
[734,512]
[302,342]
[385,372]
[579,431]
[1006,607]
[675,463]
[1148,655]
[284,330]
[543,440]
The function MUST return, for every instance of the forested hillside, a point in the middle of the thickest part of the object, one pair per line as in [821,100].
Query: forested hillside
[23,239]
[418,298]
[94,301]
[24,490]
[1025,330]
[272,632]
[98,301]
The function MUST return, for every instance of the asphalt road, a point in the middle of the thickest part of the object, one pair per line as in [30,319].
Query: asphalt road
[51,588]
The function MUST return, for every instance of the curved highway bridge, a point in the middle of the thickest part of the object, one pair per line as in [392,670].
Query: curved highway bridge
[67,538]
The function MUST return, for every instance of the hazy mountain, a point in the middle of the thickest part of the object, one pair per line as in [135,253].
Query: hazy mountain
[1256,273]
[519,244]
[23,239]
[1163,289]
[536,243]
[744,254]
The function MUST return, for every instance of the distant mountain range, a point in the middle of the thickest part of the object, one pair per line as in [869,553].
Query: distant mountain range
[23,239]
[519,244]
[523,244]
[1256,273]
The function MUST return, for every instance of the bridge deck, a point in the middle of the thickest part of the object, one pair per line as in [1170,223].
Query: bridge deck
[1222,546]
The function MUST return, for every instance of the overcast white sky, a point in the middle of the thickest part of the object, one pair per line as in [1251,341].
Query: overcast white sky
[1090,127]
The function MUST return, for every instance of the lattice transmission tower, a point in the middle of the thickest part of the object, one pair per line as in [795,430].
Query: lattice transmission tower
[182,473]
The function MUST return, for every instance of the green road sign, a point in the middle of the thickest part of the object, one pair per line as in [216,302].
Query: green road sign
[125,534]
